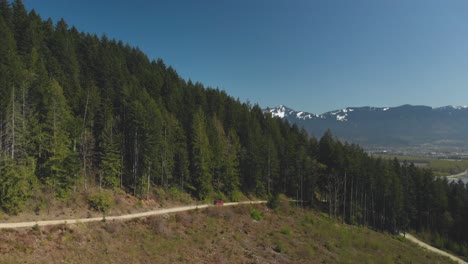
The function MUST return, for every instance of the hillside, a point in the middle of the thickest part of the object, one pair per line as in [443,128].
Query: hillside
[405,125]
[83,117]
[214,235]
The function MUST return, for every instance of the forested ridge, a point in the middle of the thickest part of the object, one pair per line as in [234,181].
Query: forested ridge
[78,111]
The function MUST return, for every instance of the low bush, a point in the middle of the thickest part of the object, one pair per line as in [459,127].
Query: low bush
[236,196]
[256,215]
[274,201]
[101,201]
[286,231]
[278,248]
[160,226]
[35,228]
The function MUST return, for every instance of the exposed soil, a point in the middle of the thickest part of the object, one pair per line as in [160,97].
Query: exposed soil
[221,234]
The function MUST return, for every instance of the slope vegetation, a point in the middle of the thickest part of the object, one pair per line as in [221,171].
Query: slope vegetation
[239,234]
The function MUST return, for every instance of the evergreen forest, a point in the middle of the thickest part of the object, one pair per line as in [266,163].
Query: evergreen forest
[81,111]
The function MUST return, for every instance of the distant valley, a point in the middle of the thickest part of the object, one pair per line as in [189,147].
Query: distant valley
[406,129]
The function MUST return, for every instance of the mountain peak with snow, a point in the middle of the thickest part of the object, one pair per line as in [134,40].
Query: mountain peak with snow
[458,107]
[401,125]
[349,113]
[343,115]
[340,115]
[283,111]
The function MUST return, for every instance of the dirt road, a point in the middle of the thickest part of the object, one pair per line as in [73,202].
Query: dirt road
[186,208]
[120,217]
[433,249]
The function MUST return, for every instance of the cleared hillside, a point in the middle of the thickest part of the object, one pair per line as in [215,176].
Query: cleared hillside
[240,234]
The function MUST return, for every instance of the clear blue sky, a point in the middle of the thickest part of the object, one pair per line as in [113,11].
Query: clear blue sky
[310,55]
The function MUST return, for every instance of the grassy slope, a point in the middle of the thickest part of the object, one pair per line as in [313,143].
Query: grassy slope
[441,167]
[215,235]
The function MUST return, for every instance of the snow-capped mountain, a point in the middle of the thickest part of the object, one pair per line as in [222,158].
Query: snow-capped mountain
[341,115]
[406,124]
[282,111]
[451,107]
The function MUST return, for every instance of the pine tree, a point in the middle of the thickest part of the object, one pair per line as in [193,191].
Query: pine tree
[56,142]
[111,166]
[21,23]
[231,174]
[17,182]
[180,168]
[226,150]
[10,66]
[6,15]
[154,151]
[201,157]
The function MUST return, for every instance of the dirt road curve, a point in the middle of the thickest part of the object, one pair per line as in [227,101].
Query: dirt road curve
[120,217]
[433,249]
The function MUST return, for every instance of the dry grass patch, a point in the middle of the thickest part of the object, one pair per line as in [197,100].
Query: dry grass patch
[216,235]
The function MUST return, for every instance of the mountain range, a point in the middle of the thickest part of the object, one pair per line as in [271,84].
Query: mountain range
[405,125]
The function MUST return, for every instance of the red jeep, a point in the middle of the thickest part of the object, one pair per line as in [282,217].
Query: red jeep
[219,202]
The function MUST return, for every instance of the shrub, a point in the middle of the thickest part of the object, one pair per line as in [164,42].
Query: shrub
[179,195]
[101,201]
[274,201]
[286,231]
[256,215]
[236,196]
[35,228]
[160,226]
[278,248]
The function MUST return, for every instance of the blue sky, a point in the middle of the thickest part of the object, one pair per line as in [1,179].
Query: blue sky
[310,55]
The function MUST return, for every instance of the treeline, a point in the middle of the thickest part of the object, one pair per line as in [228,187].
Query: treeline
[391,195]
[78,111]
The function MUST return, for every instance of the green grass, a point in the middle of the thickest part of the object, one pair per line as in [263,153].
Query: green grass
[441,167]
[449,167]
[286,231]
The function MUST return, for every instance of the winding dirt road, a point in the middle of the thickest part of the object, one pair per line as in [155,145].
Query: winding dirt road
[120,217]
[433,249]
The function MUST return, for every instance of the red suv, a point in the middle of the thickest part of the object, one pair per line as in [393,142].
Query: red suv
[219,202]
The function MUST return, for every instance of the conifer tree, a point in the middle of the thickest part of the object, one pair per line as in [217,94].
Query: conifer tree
[231,174]
[56,141]
[201,157]
[21,22]
[111,166]
[17,182]
[180,168]
[6,13]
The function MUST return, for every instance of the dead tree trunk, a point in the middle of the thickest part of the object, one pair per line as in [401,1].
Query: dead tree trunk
[351,199]
[135,163]
[344,199]
[13,121]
